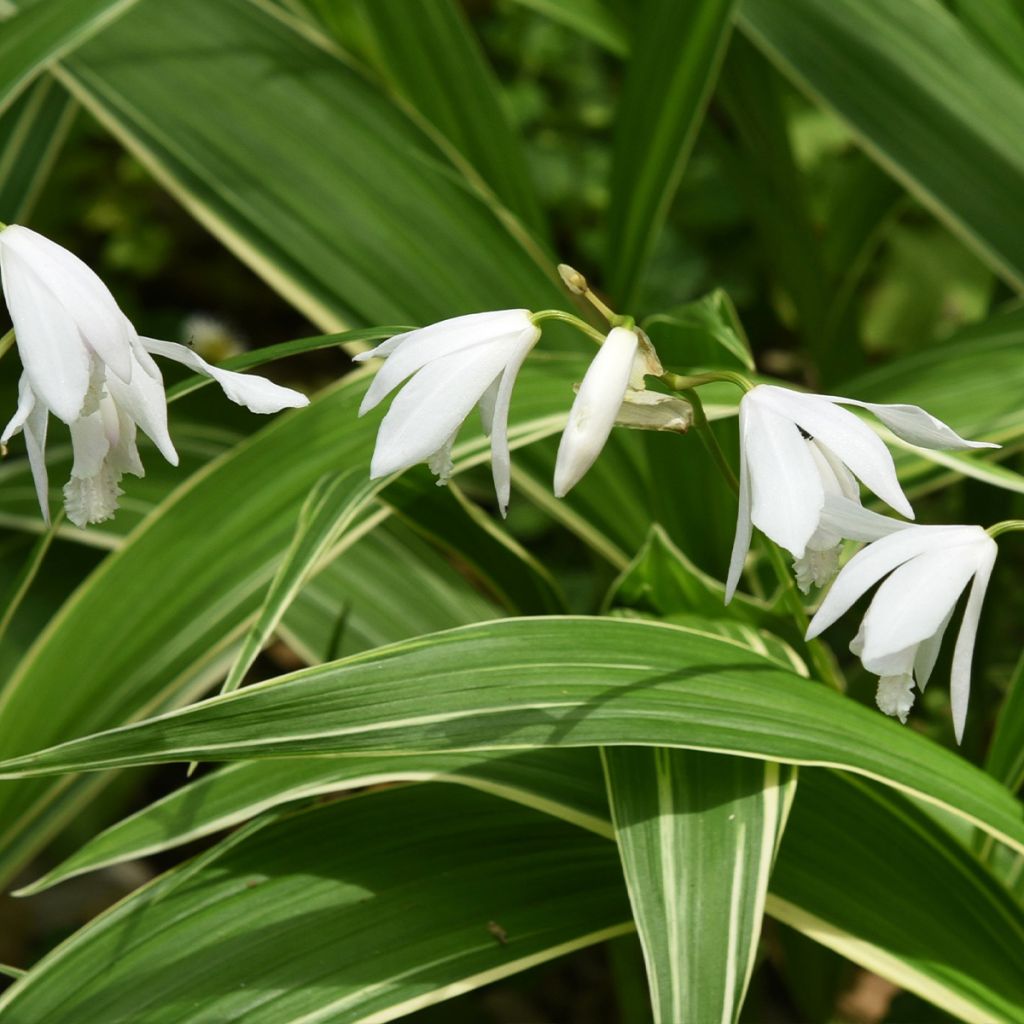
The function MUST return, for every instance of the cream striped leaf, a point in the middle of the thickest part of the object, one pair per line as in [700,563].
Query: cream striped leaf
[697,834]
[551,682]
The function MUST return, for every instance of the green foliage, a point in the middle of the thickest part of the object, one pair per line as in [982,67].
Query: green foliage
[472,746]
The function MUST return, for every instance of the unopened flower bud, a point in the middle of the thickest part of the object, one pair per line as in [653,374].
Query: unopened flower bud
[573,279]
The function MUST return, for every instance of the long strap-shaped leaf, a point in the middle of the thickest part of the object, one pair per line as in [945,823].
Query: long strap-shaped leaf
[697,834]
[520,683]
[675,61]
[334,504]
[45,31]
[351,202]
[922,95]
[844,835]
[31,134]
[364,910]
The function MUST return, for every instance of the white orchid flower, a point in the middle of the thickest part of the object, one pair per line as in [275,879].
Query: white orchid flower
[613,392]
[84,362]
[796,448]
[455,365]
[597,403]
[927,569]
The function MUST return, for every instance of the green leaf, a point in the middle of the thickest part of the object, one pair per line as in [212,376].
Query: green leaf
[923,98]
[430,57]
[823,883]
[594,19]
[565,783]
[945,929]
[32,132]
[1005,758]
[973,382]
[154,647]
[376,921]
[324,187]
[389,585]
[520,683]
[44,32]
[480,543]
[662,580]
[674,63]
[697,834]
[696,333]
[999,24]
[335,503]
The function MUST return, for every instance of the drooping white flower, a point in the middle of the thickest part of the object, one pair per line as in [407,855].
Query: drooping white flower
[597,403]
[455,365]
[613,392]
[927,568]
[796,448]
[84,362]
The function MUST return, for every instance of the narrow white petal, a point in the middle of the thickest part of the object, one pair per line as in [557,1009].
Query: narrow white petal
[431,407]
[914,424]
[418,348]
[501,462]
[915,600]
[852,521]
[256,393]
[487,403]
[35,445]
[26,403]
[847,437]
[741,541]
[870,564]
[928,653]
[594,409]
[82,294]
[787,494]
[145,402]
[963,653]
[51,349]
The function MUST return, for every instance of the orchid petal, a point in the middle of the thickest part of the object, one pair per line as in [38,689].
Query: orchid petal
[51,349]
[80,292]
[418,348]
[26,403]
[915,600]
[145,402]
[90,444]
[928,653]
[870,564]
[35,447]
[594,409]
[848,438]
[501,462]
[852,521]
[431,407]
[256,393]
[741,541]
[786,489]
[963,652]
[914,424]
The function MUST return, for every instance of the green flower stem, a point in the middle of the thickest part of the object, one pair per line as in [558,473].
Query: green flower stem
[681,382]
[568,318]
[1007,526]
[707,436]
[6,343]
[824,662]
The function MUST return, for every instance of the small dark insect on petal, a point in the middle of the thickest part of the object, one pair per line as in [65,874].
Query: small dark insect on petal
[804,434]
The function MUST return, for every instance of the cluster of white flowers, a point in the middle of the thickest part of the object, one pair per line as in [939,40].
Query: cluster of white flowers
[84,362]
[801,457]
